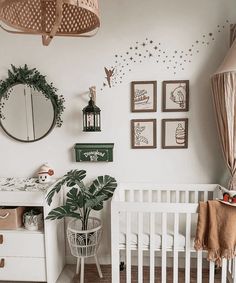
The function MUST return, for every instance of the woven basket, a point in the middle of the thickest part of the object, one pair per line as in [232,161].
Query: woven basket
[50,17]
[84,243]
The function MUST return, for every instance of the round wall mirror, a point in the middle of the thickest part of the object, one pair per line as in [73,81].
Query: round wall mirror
[29,106]
[28,114]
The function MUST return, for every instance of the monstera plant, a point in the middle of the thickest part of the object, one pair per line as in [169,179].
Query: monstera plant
[81,199]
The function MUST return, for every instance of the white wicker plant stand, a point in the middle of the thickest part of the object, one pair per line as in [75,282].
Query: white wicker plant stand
[84,243]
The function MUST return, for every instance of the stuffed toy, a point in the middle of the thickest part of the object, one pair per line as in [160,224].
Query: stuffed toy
[45,174]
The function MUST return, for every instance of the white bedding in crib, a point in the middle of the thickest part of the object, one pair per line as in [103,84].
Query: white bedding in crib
[157,240]
[146,235]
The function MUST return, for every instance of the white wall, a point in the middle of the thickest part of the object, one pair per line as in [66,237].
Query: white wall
[74,64]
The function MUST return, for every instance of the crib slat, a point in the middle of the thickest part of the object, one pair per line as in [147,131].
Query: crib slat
[168,196]
[131,195]
[186,196]
[152,248]
[176,258]
[164,242]
[196,197]
[140,197]
[187,248]
[230,266]
[140,247]
[150,196]
[128,247]
[199,267]
[159,196]
[212,272]
[230,270]
[122,195]
[177,196]
[224,271]
[205,195]
[234,270]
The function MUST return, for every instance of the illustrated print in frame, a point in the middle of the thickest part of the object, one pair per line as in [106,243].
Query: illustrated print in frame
[175,97]
[174,133]
[143,133]
[144,96]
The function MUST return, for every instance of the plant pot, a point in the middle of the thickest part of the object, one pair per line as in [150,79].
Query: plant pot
[84,243]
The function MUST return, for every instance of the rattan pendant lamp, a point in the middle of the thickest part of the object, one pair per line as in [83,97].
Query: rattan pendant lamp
[50,18]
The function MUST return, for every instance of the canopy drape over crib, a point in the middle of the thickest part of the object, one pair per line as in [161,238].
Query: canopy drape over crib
[224,97]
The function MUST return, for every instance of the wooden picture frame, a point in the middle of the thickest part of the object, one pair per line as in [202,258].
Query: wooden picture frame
[174,133]
[143,133]
[175,96]
[144,96]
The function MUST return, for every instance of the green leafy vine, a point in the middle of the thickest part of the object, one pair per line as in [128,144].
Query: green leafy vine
[32,78]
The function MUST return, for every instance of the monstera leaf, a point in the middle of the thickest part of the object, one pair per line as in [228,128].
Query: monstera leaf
[95,202]
[54,190]
[75,199]
[75,177]
[61,212]
[72,178]
[103,186]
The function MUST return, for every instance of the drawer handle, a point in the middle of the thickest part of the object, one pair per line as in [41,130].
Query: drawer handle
[1,239]
[2,263]
[5,216]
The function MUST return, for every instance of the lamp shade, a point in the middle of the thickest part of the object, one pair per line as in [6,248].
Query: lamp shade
[50,18]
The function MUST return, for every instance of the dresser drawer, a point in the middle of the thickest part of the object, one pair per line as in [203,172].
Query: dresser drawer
[22,243]
[22,269]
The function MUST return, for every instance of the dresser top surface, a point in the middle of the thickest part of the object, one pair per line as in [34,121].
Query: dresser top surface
[23,185]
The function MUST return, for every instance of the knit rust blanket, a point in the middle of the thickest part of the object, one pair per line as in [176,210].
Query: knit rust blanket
[216,230]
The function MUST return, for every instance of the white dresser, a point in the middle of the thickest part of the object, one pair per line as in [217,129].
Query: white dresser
[31,255]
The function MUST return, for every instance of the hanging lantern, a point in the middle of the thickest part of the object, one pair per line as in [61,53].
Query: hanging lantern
[50,18]
[91,114]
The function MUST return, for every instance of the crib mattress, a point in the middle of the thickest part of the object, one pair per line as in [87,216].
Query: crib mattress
[157,241]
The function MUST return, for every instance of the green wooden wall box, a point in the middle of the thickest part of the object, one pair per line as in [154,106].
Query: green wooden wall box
[94,152]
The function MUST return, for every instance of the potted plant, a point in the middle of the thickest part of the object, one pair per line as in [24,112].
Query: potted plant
[83,231]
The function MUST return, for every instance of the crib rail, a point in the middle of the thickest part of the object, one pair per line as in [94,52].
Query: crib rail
[181,208]
[180,193]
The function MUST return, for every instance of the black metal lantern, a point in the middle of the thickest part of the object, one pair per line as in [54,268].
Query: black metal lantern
[91,114]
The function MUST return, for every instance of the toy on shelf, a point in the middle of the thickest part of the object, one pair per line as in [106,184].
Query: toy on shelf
[45,174]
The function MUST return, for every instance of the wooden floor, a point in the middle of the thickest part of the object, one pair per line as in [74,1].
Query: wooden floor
[91,275]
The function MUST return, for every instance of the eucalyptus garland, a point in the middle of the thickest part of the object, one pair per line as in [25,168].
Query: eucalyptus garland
[32,78]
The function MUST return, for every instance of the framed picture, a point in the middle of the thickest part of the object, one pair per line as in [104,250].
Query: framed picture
[175,96]
[175,133]
[143,133]
[144,96]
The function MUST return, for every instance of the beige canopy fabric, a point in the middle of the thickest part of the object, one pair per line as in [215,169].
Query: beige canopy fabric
[224,97]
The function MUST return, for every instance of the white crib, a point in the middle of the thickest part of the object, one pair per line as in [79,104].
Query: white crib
[158,222]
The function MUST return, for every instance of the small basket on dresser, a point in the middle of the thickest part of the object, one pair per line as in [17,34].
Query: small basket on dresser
[11,217]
